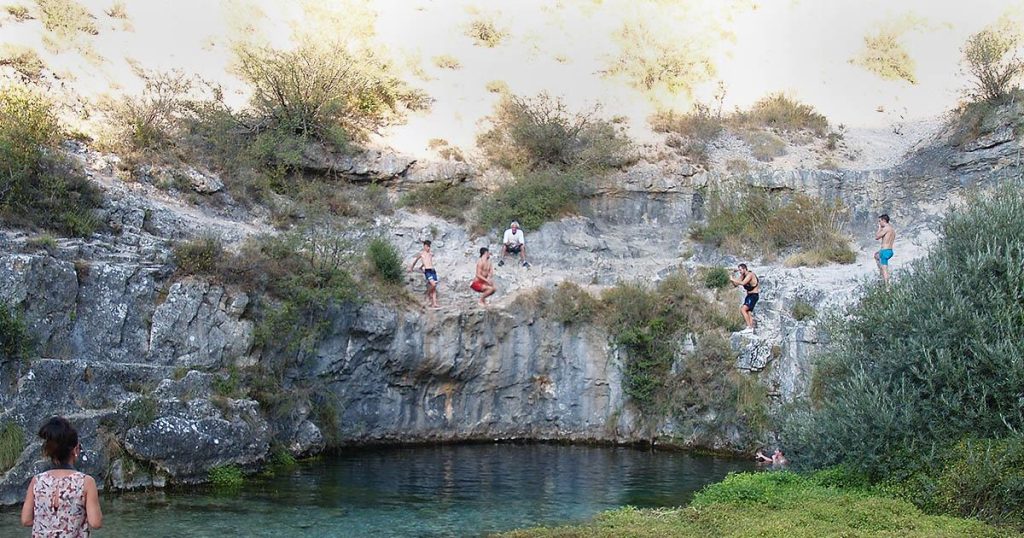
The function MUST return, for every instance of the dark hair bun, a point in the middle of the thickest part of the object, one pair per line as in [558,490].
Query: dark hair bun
[59,439]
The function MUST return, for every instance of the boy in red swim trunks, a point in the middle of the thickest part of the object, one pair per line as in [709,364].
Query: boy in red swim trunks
[484,281]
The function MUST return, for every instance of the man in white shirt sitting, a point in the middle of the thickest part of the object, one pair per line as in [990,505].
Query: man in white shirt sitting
[514,242]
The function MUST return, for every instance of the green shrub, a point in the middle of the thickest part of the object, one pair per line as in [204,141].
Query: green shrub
[698,129]
[442,199]
[716,278]
[324,92]
[985,480]
[25,61]
[485,33]
[533,199]
[991,60]
[541,132]
[199,256]
[228,386]
[12,444]
[37,187]
[802,310]
[385,261]
[902,378]
[758,222]
[16,342]
[781,113]
[226,476]
[150,121]
[841,476]
[573,304]
[280,457]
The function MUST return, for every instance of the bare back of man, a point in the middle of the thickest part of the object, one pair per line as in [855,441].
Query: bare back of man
[483,281]
[886,234]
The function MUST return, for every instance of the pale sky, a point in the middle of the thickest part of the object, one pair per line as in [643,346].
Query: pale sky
[561,47]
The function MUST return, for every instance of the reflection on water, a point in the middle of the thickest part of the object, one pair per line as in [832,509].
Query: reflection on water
[465,490]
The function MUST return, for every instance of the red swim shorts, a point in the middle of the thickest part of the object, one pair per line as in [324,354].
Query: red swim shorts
[477,285]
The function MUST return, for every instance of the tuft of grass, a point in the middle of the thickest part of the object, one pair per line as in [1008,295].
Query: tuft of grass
[65,20]
[12,444]
[199,256]
[282,458]
[885,56]
[24,60]
[698,129]
[759,222]
[141,411]
[117,10]
[447,61]
[226,476]
[384,260]
[484,33]
[16,342]
[802,310]
[716,278]
[783,114]
[573,304]
[442,199]
[19,12]
[497,86]
[765,146]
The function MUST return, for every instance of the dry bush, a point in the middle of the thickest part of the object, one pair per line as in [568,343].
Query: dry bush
[24,60]
[484,33]
[137,125]
[19,12]
[447,61]
[990,58]
[65,20]
[765,146]
[885,56]
[539,132]
[783,114]
[650,60]
[698,129]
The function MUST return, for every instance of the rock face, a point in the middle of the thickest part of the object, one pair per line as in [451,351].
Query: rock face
[144,361]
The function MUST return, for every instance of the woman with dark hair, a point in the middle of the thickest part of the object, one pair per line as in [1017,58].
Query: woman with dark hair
[61,502]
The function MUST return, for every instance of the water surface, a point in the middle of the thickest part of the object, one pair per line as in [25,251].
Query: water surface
[468,490]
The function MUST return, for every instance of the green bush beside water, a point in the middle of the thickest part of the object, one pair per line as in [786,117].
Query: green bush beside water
[776,504]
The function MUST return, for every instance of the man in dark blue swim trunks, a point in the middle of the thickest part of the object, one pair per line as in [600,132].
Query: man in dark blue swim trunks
[752,284]
[426,258]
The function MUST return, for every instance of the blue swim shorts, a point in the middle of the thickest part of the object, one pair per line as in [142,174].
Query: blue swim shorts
[884,255]
[430,274]
[750,301]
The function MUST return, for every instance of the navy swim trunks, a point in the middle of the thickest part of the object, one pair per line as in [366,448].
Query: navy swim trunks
[750,301]
[430,274]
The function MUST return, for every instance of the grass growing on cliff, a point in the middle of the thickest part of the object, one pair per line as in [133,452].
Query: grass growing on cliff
[384,261]
[198,256]
[38,188]
[442,199]
[12,443]
[774,504]
[760,223]
[532,199]
[16,342]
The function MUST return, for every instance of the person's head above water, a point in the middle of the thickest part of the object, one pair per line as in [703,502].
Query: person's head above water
[483,250]
[60,440]
[884,217]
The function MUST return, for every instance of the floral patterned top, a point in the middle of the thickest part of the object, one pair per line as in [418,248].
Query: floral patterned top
[59,506]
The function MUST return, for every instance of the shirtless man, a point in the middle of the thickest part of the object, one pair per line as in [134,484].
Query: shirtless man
[887,235]
[426,258]
[484,281]
[778,459]
[752,284]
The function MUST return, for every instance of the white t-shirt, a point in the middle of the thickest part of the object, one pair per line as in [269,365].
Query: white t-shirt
[516,238]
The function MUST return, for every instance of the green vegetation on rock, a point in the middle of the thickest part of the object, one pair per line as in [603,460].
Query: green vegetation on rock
[384,260]
[37,187]
[916,369]
[226,476]
[449,201]
[12,444]
[759,222]
[16,343]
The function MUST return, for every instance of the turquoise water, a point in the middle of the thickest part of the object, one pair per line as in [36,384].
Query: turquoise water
[468,490]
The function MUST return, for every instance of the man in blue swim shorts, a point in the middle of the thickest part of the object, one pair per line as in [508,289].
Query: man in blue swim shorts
[887,235]
[426,258]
